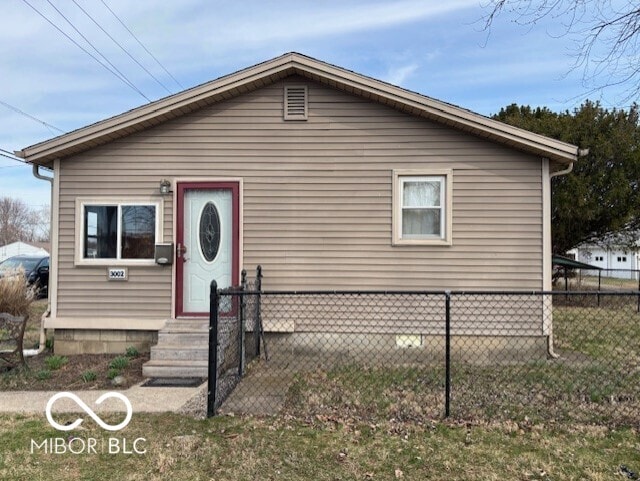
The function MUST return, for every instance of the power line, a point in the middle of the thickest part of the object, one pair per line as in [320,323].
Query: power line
[17,159]
[83,49]
[142,45]
[17,110]
[9,166]
[98,51]
[121,47]
[12,158]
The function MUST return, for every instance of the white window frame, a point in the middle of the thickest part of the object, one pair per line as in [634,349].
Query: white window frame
[81,203]
[445,176]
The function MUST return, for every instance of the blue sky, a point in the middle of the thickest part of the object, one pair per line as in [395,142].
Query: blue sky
[436,48]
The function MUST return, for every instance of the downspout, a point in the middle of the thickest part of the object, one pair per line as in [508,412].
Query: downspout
[558,172]
[43,336]
[581,153]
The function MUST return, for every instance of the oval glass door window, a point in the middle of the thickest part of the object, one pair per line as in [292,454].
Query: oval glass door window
[209,232]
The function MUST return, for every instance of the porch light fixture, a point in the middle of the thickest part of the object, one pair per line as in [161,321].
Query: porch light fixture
[165,187]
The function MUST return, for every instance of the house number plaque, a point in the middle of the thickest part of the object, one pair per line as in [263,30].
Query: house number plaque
[117,273]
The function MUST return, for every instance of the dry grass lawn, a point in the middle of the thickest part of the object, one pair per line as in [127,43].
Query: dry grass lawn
[236,448]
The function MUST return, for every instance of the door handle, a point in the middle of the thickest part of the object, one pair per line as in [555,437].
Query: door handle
[181,250]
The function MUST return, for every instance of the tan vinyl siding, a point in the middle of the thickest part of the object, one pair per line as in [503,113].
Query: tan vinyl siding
[317,200]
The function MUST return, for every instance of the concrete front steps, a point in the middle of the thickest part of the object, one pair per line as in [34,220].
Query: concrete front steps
[182,350]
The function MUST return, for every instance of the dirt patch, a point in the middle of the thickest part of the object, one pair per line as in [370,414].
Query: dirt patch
[46,372]
[80,372]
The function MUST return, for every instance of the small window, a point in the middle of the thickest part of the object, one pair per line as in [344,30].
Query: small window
[209,232]
[422,208]
[126,231]
[619,259]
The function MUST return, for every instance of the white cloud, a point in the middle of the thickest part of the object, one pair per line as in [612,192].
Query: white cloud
[264,22]
[427,46]
[398,75]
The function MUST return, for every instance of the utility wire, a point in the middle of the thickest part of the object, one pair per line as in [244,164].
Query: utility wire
[11,156]
[17,110]
[142,45]
[98,51]
[18,159]
[10,153]
[83,49]
[119,45]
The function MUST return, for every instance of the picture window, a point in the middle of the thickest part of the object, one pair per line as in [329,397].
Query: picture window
[120,231]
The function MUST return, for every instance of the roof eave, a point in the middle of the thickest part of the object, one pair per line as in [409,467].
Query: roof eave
[253,77]
[45,151]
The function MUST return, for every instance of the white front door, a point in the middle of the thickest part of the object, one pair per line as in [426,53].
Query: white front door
[206,247]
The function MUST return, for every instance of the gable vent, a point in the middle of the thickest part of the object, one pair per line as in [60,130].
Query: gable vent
[295,102]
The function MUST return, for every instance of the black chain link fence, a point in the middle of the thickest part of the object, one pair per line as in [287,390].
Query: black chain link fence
[577,279]
[419,356]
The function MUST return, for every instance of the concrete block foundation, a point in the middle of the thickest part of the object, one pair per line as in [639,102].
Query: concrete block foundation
[417,348]
[101,341]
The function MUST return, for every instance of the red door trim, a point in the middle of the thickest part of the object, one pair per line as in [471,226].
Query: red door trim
[182,187]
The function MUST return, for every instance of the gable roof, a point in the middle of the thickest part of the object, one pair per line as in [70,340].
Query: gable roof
[273,70]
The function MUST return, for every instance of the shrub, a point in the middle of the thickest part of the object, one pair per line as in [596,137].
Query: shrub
[111,373]
[55,362]
[132,352]
[43,375]
[15,295]
[49,343]
[119,363]
[89,376]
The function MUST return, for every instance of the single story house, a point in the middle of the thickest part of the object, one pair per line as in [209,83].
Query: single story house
[21,248]
[327,178]
[611,256]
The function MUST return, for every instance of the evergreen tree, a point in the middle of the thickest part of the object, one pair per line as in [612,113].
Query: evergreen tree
[602,194]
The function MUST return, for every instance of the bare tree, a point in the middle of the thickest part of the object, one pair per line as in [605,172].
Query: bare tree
[607,34]
[19,222]
[43,224]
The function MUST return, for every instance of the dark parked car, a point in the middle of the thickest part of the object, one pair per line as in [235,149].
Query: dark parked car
[36,269]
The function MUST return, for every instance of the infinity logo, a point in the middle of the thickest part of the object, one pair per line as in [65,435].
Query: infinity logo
[89,411]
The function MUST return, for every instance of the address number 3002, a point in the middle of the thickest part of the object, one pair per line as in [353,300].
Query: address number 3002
[117,274]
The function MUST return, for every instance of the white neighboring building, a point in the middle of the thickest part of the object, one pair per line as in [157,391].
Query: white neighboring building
[619,262]
[19,248]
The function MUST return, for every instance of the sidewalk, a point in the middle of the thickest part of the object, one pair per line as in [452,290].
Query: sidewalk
[143,400]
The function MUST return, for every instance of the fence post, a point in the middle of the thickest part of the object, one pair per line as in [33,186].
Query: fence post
[447,354]
[638,274]
[212,379]
[599,285]
[258,320]
[241,333]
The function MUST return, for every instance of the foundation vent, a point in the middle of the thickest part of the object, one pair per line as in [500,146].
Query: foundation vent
[295,102]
